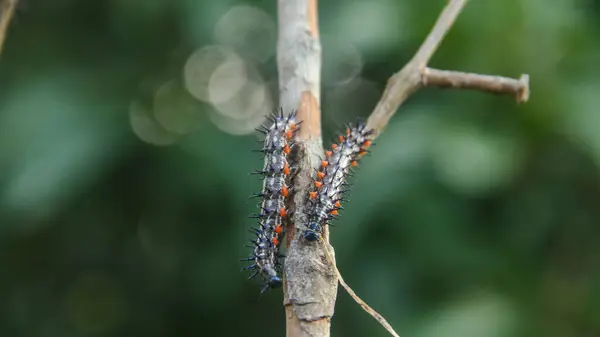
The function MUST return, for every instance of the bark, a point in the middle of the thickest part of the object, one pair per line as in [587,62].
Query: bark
[310,285]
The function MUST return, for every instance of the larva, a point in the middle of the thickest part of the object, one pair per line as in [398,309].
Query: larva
[331,177]
[277,146]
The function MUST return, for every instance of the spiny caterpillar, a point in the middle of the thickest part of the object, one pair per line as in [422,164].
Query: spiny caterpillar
[331,178]
[276,172]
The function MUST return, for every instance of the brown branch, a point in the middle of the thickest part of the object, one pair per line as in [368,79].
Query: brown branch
[488,83]
[310,285]
[438,32]
[8,9]
[415,75]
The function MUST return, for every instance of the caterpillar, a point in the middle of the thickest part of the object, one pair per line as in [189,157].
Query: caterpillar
[330,179]
[277,147]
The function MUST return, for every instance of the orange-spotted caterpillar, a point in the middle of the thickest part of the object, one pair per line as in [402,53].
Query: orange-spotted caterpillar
[330,179]
[277,146]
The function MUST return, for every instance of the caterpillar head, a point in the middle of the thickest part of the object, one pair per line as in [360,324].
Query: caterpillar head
[274,281]
[311,232]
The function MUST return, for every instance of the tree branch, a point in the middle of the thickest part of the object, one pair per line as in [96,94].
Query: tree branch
[438,32]
[488,83]
[7,10]
[311,278]
[415,75]
[310,285]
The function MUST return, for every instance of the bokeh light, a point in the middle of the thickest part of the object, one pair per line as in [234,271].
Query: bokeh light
[146,127]
[201,65]
[175,110]
[249,30]
[342,62]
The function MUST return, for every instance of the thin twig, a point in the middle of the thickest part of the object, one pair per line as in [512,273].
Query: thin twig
[8,9]
[352,294]
[438,32]
[488,83]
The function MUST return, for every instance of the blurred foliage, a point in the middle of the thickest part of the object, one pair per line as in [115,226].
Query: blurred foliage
[125,132]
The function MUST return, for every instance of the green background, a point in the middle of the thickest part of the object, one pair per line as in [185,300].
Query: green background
[123,197]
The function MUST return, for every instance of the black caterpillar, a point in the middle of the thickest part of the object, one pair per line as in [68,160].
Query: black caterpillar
[330,179]
[276,172]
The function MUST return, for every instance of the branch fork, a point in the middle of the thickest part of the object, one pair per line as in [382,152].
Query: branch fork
[311,277]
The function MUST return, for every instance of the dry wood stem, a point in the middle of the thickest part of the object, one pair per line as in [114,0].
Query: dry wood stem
[488,83]
[310,285]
